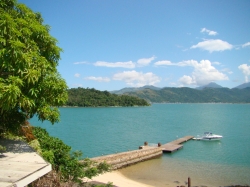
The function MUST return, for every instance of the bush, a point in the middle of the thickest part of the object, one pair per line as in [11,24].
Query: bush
[49,156]
[2,148]
[36,146]
[63,161]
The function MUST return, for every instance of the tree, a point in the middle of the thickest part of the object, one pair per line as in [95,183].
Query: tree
[29,81]
[93,98]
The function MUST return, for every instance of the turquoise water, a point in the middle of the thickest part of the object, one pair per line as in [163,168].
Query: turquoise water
[101,131]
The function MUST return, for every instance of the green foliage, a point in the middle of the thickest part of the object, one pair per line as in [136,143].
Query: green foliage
[2,148]
[49,156]
[109,184]
[94,98]
[29,81]
[189,95]
[65,162]
[12,136]
[36,146]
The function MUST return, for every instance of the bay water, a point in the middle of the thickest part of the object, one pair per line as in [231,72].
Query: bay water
[103,131]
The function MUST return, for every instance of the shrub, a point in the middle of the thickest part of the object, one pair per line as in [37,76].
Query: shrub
[49,156]
[36,146]
[63,161]
[2,148]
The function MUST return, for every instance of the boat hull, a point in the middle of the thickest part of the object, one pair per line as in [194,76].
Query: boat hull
[209,139]
[208,136]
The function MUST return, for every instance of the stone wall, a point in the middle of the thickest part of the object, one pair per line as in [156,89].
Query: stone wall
[124,159]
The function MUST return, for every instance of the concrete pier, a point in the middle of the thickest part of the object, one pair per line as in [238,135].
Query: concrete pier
[124,159]
[145,152]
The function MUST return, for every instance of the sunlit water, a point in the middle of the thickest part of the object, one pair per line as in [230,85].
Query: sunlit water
[101,131]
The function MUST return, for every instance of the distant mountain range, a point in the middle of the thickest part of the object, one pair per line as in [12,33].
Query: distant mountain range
[210,93]
[134,89]
[242,86]
[210,85]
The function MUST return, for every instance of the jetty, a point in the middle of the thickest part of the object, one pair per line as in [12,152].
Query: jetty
[146,152]
[175,145]
[171,146]
[124,159]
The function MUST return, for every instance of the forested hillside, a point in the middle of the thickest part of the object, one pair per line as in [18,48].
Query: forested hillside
[189,95]
[93,98]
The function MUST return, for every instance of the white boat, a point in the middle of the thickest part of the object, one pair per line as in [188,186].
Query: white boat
[209,137]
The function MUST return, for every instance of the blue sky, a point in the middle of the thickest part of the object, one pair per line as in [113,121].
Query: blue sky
[112,44]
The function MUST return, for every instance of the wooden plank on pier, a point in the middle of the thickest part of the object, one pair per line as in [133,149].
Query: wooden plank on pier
[175,145]
[170,147]
[181,140]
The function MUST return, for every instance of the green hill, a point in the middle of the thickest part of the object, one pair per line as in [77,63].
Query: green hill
[94,98]
[134,89]
[189,95]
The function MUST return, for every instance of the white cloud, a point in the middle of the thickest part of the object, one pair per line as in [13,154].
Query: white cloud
[80,63]
[245,70]
[128,64]
[187,63]
[213,45]
[186,80]
[77,75]
[137,79]
[246,44]
[211,33]
[98,79]
[163,62]
[216,63]
[203,73]
[140,63]
[145,61]
[183,63]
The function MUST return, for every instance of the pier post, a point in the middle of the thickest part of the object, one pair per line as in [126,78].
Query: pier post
[189,182]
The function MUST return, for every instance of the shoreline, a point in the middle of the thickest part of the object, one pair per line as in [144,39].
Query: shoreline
[119,180]
[154,173]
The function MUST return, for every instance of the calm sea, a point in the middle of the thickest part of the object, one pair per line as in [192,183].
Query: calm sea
[102,131]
